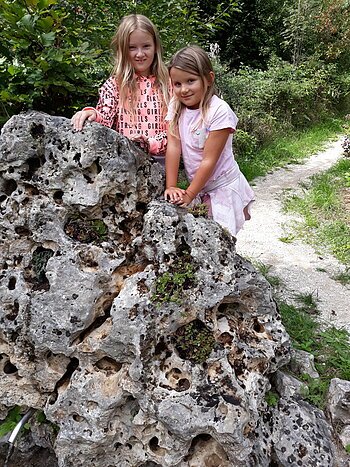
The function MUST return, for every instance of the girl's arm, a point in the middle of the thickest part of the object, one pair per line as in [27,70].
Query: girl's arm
[172,162]
[106,108]
[213,148]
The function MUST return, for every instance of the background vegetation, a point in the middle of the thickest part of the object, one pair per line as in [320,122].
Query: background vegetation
[281,66]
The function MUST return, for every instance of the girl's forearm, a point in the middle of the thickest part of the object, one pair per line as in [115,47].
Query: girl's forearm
[172,163]
[201,177]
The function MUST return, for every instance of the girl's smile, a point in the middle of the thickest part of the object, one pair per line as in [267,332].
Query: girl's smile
[141,52]
[189,88]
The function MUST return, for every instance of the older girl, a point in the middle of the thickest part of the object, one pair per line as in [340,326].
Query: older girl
[133,101]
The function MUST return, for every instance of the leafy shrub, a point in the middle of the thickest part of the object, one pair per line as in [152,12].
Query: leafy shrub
[43,58]
[284,97]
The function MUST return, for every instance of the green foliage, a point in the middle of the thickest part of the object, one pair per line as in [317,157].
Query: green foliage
[308,302]
[47,47]
[330,347]
[323,207]
[170,285]
[86,230]
[271,398]
[199,210]
[39,261]
[194,342]
[14,416]
[265,271]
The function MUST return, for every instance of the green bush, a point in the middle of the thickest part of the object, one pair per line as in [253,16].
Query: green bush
[43,58]
[284,97]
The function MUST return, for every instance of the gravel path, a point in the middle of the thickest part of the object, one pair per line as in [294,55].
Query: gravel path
[301,269]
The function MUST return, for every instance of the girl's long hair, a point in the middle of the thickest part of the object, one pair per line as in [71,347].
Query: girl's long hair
[193,59]
[124,72]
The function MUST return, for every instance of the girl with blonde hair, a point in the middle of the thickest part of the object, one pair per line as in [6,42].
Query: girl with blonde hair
[201,129]
[133,101]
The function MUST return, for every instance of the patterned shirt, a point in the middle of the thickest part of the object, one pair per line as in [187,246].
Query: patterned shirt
[148,120]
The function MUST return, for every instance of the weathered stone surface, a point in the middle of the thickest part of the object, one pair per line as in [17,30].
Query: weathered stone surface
[136,327]
[302,362]
[338,408]
[288,386]
[302,435]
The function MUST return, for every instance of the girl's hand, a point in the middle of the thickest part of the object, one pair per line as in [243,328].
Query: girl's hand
[79,118]
[174,195]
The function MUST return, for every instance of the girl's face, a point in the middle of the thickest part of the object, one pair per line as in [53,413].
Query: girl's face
[141,51]
[189,88]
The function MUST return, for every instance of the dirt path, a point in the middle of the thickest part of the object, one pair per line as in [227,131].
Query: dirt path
[301,269]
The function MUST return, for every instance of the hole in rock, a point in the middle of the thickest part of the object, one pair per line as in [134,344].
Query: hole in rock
[97,323]
[58,196]
[9,368]
[225,338]
[31,190]
[258,327]
[64,381]
[9,187]
[154,444]
[86,230]
[150,464]
[13,311]
[22,231]
[12,283]
[194,341]
[78,418]
[206,452]
[33,164]
[108,365]
[37,130]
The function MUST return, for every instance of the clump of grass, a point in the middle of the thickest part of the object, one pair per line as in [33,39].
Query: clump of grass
[274,281]
[86,230]
[325,209]
[343,277]
[170,285]
[308,302]
[194,342]
[329,346]
[271,398]
[291,148]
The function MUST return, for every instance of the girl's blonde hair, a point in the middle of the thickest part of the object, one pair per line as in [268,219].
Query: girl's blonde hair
[193,59]
[124,72]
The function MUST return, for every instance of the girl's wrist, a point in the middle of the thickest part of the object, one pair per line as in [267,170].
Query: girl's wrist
[190,193]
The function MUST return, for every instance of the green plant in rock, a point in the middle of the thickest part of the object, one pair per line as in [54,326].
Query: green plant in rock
[13,417]
[194,342]
[271,398]
[170,285]
[199,210]
[39,261]
[86,230]
[343,277]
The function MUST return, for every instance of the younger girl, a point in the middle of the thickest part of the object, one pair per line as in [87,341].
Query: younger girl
[133,101]
[201,128]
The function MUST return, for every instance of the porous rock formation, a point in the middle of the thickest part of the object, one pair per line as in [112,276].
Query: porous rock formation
[134,325]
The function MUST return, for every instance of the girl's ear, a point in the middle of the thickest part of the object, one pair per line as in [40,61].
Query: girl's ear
[211,78]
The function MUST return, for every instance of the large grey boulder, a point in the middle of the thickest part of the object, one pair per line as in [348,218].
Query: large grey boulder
[134,325]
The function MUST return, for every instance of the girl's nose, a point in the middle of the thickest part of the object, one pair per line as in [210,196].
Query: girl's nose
[139,52]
